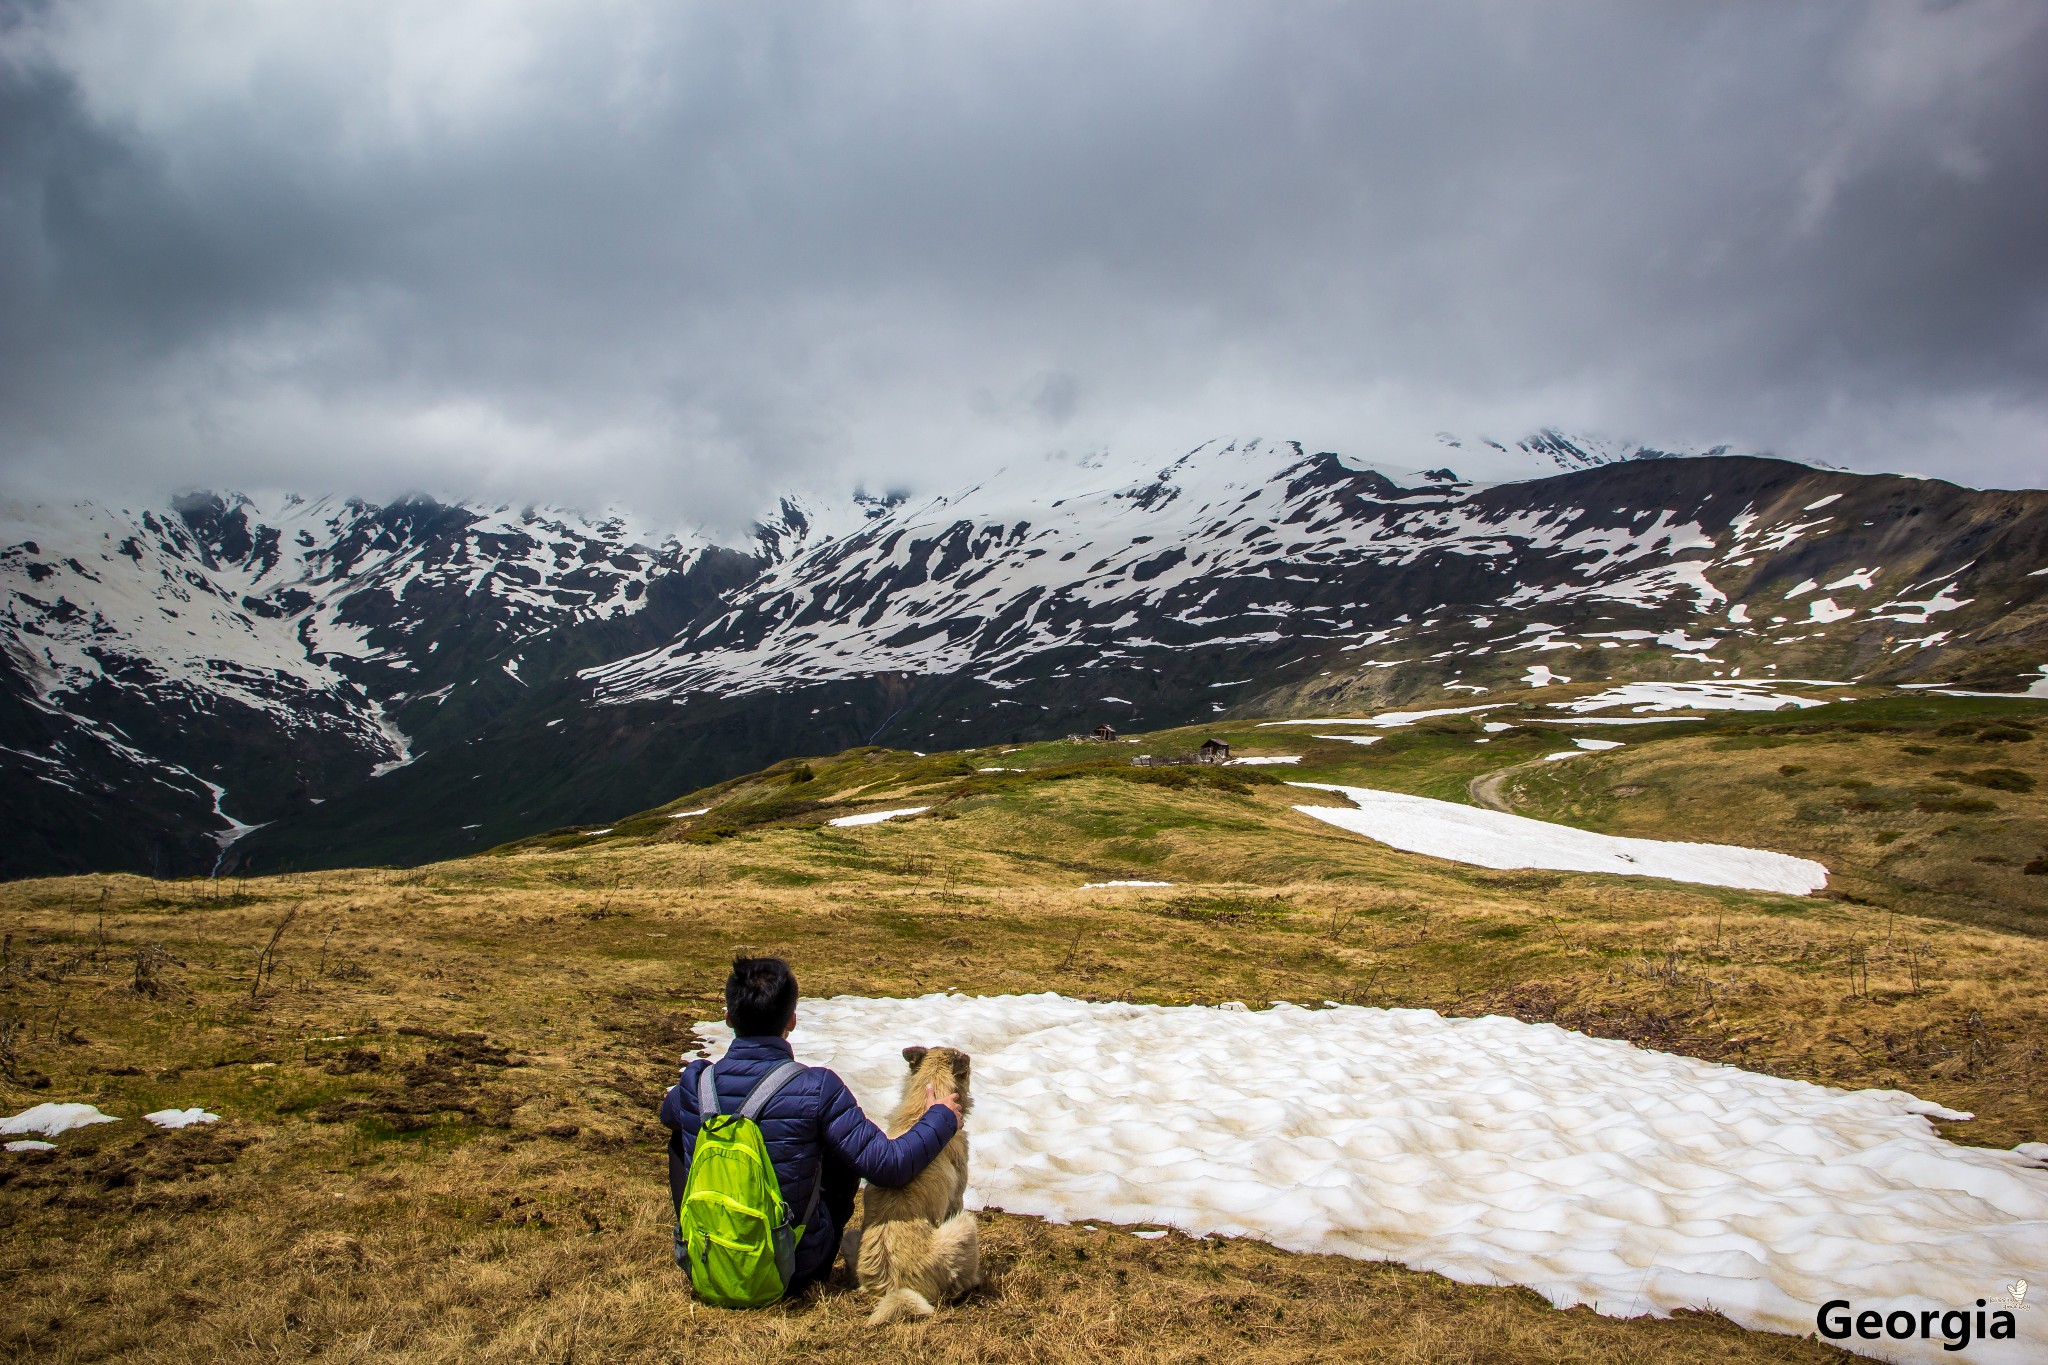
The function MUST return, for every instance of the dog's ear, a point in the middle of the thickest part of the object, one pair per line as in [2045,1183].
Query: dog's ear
[915,1056]
[960,1066]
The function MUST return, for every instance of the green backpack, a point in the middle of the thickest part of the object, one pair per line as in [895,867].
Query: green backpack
[733,1221]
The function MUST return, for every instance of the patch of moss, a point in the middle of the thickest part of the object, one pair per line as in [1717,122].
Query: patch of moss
[1222,909]
[1957,805]
[776,876]
[1997,779]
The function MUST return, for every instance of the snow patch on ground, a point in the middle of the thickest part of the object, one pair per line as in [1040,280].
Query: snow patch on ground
[1538,675]
[2037,688]
[1490,838]
[1352,739]
[1260,762]
[53,1119]
[180,1118]
[686,814]
[1487,1150]
[236,829]
[396,742]
[1917,612]
[1824,610]
[1690,696]
[1387,720]
[31,1145]
[876,817]
[1094,886]
[1597,744]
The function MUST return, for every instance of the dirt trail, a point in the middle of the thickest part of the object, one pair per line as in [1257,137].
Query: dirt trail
[1485,788]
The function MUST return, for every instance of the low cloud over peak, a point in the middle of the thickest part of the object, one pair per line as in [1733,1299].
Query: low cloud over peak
[688,254]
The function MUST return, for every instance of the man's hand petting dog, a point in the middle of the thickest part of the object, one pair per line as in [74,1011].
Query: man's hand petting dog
[933,1099]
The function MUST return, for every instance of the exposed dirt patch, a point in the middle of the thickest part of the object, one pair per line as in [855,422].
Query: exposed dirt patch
[156,1170]
[446,1084]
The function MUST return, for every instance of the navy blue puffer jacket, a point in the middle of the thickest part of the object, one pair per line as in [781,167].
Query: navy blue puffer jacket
[814,1131]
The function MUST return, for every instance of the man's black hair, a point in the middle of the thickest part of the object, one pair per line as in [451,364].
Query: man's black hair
[760,995]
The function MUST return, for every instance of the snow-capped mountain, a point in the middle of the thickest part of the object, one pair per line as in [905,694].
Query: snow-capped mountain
[266,644]
[1249,546]
[279,679]
[983,581]
[1549,452]
[269,607]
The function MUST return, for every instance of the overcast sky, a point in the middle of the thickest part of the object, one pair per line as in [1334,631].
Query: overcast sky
[684,255]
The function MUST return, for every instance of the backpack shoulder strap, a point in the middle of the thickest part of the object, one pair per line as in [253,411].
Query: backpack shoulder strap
[765,1090]
[768,1087]
[817,1193]
[707,1094]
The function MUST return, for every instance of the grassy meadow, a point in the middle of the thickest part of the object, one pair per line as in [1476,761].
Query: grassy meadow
[438,1084]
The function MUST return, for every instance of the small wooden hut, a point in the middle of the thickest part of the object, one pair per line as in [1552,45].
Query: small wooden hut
[1214,751]
[1105,732]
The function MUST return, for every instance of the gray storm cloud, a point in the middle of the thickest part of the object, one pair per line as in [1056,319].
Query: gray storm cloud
[685,255]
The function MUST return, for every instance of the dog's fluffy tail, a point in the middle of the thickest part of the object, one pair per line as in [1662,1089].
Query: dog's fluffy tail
[918,1265]
[899,1305]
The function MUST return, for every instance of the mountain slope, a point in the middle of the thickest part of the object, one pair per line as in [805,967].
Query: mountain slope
[284,652]
[1262,555]
[294,682]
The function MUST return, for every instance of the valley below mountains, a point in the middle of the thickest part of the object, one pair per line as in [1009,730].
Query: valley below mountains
[231,683]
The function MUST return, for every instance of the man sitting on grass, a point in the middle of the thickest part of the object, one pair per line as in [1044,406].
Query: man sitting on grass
[816,1134]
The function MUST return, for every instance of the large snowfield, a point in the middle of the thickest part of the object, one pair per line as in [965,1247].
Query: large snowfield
[1490,838]
[1487,1150]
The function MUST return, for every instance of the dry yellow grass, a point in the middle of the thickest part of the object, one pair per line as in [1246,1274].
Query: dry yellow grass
[439,1139]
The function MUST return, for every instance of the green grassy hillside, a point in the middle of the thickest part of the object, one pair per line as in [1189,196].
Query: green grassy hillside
[1928,804]
[438,1085]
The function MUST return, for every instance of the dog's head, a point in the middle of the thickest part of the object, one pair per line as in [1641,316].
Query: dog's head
[944,1069]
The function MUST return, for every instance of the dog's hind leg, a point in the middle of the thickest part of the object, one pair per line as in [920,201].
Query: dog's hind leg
[956,1254]
[890,1254]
